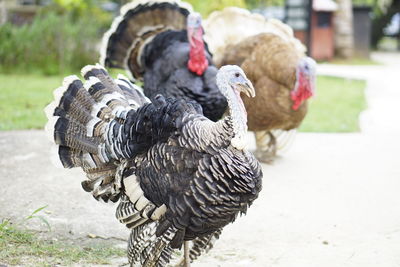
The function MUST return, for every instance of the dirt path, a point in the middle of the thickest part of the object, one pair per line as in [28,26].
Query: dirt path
[331,201]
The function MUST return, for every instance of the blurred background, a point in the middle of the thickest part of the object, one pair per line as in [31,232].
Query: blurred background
[59,36]
[43,40]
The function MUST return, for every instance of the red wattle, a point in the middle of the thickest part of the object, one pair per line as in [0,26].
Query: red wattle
[301,93]
[198,62]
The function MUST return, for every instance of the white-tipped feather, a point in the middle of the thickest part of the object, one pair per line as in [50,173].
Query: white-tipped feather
[124,81]
[233,24]
[158,212]
[132,188]
[90,82]
[59,92]
[88,68]
[49,127]
[284,139]
[96,108]
[51,120]
[91,125]
[142,45]
[54,156]
[49,110]
[141,203]
[134,194]
[139,222]
[115,95]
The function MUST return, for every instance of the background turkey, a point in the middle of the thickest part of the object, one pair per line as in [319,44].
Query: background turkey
[177,175]
[275,62]
[162,43]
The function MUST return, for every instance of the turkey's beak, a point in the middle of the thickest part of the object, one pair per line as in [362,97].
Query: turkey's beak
[247,88]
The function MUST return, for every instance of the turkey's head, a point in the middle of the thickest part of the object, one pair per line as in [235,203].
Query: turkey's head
[305,82]
[232,81]
[198,62]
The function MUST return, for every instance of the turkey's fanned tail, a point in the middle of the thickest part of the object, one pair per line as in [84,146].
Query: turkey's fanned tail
[284,139]
[221,28]
[137,24]
[79,120]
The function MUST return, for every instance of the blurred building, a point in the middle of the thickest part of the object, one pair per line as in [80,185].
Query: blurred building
[312,22]
[19,12]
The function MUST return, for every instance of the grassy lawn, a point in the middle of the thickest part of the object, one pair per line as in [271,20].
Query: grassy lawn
[352,61]
[20,246]
[22,99]
[335,108]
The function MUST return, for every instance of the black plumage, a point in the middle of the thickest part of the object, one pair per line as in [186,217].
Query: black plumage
[151,42]
[174,172]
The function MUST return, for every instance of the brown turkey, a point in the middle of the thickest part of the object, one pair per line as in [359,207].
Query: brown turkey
[275,61]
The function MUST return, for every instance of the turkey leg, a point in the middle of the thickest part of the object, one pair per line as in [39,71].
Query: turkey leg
[186,254]
[266,146]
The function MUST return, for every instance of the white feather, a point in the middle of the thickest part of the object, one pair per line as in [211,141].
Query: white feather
[54,156]
[284,139]
[87,158]
[132,188]
[88,68]
[141,203]
[59,92]
[158,212]
[90,82]
[49,128]
[90,126]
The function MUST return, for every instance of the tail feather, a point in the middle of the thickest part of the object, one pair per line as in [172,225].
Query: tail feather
[79,120]
[221,28]
[138,22]
[284,139]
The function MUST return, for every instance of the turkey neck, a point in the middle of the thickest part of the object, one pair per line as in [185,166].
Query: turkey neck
[237,114]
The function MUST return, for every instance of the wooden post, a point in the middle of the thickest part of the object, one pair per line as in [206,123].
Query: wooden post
[309,28]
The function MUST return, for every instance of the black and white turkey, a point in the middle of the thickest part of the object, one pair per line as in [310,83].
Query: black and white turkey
[161,42]
[177,175]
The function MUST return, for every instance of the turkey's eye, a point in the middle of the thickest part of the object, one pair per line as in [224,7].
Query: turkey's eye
[237,75]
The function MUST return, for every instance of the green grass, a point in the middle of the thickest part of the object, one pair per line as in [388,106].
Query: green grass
[353,61]
[24,247]
[336,106]
[22,99]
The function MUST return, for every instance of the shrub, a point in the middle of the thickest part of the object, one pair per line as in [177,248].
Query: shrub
[51,44]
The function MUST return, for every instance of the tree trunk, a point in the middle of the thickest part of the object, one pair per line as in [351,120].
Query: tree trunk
[344,38]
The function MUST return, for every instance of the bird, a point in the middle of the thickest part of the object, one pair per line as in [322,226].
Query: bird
[176,175]
[161,43]
[276,63]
